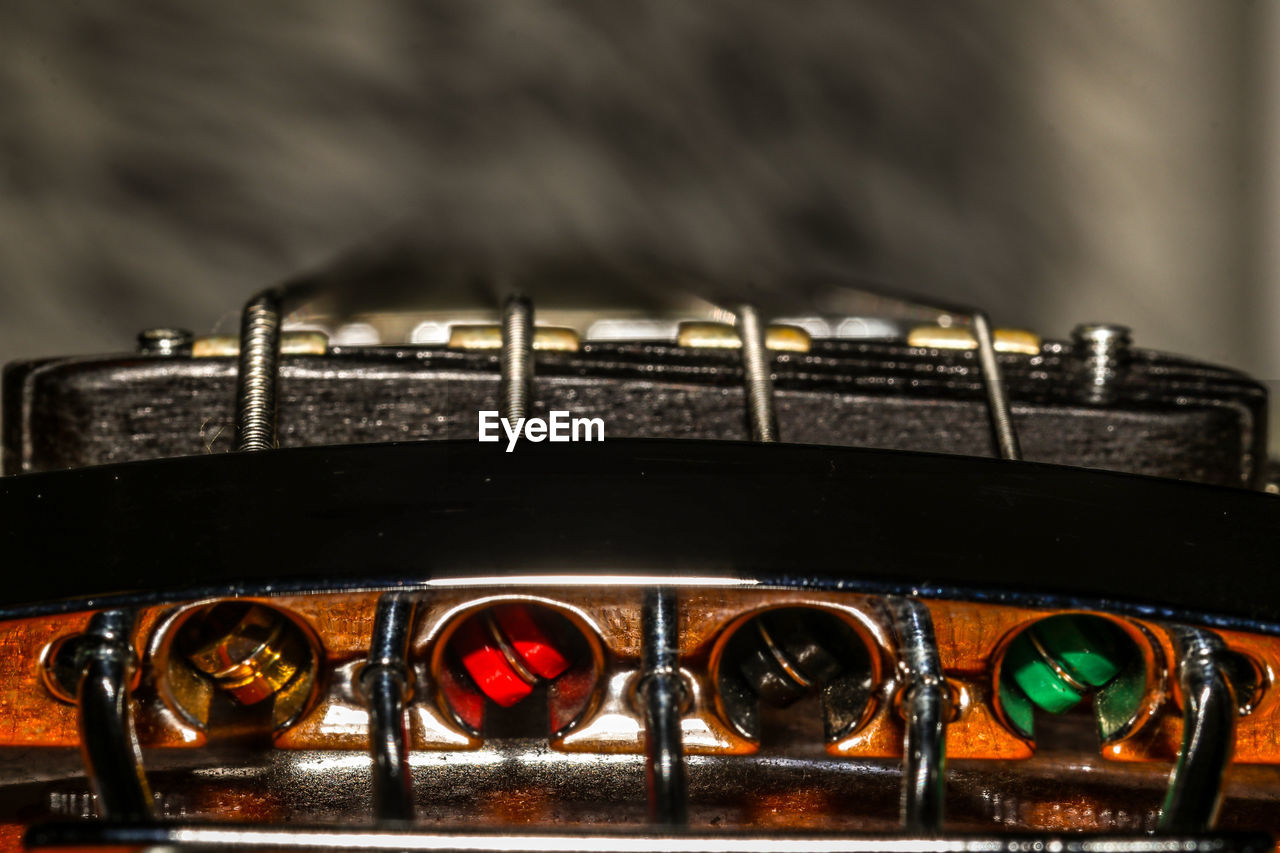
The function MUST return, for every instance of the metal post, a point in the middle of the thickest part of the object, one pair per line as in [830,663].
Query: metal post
[926,707]
[258,372]
[757,375]
[385,681]
[1209,713]
[517,358]
[105,660]
[662,694]
[997,393]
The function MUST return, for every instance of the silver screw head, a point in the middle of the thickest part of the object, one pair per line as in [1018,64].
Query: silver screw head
[1103,349]
[164,341]
[1108,336]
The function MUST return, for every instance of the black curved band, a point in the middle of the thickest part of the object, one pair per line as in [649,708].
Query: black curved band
[395,514]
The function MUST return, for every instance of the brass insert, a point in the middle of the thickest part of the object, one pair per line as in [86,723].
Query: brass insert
[253,655]
[489,336]
[707,335]
[961,337]
[291,343]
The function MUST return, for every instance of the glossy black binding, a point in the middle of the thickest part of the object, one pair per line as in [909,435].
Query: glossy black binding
[884,521]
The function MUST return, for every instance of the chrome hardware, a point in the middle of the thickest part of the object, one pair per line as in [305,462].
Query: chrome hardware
[1209,712]
[164,341]
[100,663]
[661,692]
[257,376]
[233,836]
[997,393]
[926,707]
[385,682]
[1104,350]
[757,375]
[517,358]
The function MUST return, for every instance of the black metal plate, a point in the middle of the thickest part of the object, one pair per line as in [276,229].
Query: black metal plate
[1170,417]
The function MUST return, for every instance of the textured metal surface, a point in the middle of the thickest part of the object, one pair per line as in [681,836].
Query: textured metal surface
[513,783]
[1172,418]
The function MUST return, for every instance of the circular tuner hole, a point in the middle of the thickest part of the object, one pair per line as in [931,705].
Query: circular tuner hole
[1052,665]
[238,667]
[779,658]
[516,669]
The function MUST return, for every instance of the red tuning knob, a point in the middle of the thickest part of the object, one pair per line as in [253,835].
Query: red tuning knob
[506,652]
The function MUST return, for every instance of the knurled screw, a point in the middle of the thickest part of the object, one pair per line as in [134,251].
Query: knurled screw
[1104,350]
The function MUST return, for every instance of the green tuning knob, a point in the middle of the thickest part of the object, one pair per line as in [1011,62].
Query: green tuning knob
[1053,664]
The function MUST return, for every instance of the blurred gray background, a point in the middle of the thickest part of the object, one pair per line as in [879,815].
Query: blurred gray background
[1054,160]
